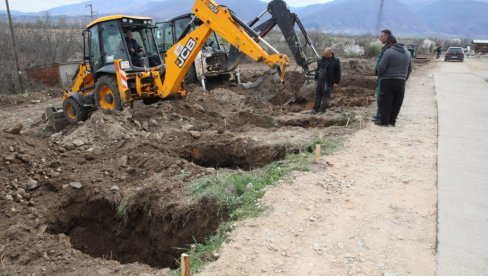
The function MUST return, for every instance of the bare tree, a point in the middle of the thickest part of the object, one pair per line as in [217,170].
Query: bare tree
[49,40]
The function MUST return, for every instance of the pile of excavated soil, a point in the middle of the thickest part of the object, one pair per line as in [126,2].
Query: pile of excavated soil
[113,190]
[116,190]
[356,88]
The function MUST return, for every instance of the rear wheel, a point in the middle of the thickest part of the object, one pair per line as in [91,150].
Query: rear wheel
[107,96]
[73,111]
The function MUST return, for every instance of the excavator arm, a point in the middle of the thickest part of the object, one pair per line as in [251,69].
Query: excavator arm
[285,20]
[222,21]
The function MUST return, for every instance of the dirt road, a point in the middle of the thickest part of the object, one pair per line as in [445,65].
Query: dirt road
[369,209]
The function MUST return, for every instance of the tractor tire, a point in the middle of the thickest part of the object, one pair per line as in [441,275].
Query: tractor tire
[191,75]
[107,96]
[73,111]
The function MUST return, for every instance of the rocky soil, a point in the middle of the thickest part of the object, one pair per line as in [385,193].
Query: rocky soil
[110,195]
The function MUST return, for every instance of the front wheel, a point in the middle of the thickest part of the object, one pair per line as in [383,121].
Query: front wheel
[107,96]
[73,111]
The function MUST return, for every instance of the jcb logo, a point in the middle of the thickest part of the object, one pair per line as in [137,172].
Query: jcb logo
[185,53]
[212,7]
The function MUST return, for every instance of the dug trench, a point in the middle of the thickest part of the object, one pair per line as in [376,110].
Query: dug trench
[143,229]
[116,186]
[148,225]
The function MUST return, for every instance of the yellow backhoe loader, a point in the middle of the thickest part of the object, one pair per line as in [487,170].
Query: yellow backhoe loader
[122,62]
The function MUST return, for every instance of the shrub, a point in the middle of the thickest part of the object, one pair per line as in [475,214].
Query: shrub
[372,49]
[353,50]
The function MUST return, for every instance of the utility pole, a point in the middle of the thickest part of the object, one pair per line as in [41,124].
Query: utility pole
[15,48]
[91,10]
[380,16]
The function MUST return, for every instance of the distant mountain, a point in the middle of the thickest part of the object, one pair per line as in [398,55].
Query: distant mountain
[163,10]
[159,9]
[418,5]
[461,18]
[361,16]
[468,17]
[13,13]
[101,7]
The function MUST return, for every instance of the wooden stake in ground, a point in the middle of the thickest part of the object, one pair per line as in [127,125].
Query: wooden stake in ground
[185,265]
[360,119]
[317,154]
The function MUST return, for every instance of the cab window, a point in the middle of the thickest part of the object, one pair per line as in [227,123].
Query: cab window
[94,48]
[164,36]
[113,45]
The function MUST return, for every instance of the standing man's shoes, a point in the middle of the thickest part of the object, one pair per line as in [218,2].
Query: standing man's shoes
[378,123]
[314,111]
[323,111]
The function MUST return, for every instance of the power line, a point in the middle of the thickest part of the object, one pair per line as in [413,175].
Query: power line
[15,48]
[91,10]
[380,16]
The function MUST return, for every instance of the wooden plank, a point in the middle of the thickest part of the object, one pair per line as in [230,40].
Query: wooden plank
[317,154]
[185,265]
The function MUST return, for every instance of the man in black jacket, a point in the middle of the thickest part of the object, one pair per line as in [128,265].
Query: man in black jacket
[133,47]
[384,37]
[328,73]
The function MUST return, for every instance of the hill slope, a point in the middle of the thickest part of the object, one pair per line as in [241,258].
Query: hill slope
[462,18]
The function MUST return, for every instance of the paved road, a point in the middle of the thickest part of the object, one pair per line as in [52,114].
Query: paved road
[462,94]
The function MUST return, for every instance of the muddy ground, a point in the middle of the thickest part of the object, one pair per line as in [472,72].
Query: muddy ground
[110,195]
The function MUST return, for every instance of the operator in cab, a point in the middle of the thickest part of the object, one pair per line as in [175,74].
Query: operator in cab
[133,47]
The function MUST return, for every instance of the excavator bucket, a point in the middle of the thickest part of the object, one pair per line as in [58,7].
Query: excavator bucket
[55,117]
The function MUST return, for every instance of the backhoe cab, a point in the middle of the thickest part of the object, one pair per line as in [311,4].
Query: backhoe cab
[123,64]
[212,59]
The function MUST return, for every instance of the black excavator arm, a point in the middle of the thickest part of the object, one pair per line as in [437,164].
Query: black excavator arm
[286,20]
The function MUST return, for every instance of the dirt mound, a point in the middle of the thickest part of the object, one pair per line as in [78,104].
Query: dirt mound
[361,66]
[357,76]
[277,93]
[99,132]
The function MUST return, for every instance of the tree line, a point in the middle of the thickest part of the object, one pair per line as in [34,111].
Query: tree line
[44,41]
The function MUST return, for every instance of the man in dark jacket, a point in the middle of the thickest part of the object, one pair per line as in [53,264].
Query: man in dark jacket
[394,69]
[328,73]
[133,47]
[384,36]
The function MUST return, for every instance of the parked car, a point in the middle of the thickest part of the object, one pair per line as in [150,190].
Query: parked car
[454,53]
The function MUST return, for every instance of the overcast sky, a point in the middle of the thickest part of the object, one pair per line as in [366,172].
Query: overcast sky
[42,5]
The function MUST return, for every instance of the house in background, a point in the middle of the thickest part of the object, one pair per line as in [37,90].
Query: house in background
[56,74]
[480,46]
